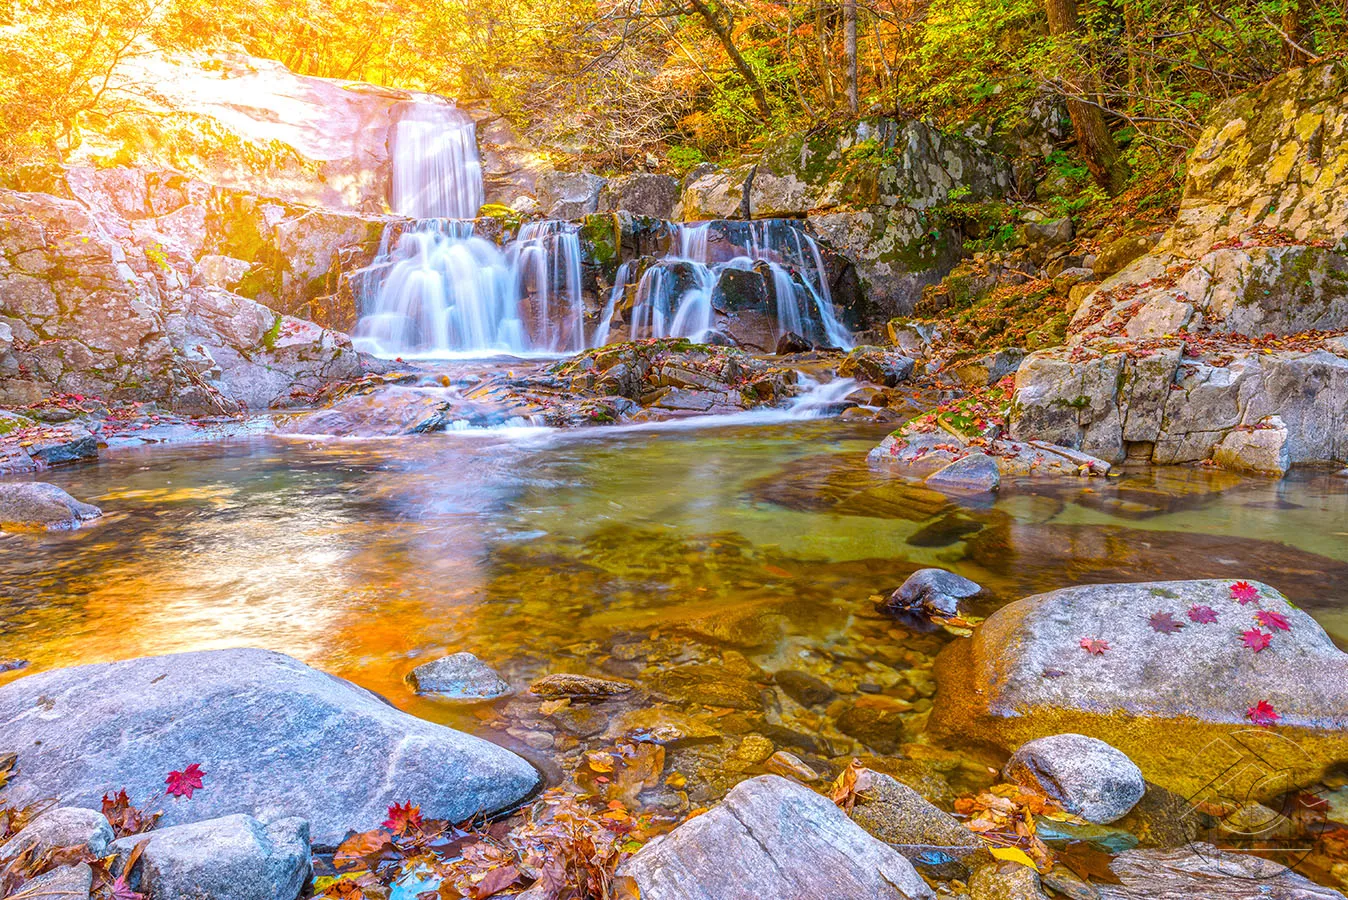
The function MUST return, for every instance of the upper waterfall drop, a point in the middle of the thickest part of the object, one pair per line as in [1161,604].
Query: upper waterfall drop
[437,172]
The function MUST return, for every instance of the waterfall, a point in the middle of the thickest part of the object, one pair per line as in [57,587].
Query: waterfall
[674,295]
[436,169]
[436,288]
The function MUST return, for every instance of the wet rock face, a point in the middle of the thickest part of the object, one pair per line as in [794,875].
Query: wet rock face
[264,727]
[37,505]
[1086,776]
[1029,672]
[771,837]
[230,858]
[310,140]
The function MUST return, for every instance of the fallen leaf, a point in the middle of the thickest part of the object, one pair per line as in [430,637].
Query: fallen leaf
[182,784]
[1263,714]
[1203,615]
[1013,854]
[1274,620]
[1255,639]
[496,880]
[1244,592]
[1164,623]
[403,818]
[1094,646]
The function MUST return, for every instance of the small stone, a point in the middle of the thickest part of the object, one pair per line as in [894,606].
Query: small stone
[232,858]
[792,343]
[876,721]
[578,687]
[975,473]
[933,591]
[804,688]
[459,676]
[754,749]
[788,765]
[1005,881]
[64,826]
[581,721]
[1087,776]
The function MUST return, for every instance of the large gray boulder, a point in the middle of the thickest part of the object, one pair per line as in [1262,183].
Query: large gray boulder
[38,505]
[1171,683]
[771,837]
[1086,776]
[230,858]
[275,738]
[568,195]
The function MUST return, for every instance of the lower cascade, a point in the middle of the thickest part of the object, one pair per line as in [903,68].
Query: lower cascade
[436,288]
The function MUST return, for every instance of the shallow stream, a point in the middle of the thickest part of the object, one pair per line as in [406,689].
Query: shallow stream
[701,563]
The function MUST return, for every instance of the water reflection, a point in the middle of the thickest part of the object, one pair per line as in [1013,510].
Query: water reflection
[554,550]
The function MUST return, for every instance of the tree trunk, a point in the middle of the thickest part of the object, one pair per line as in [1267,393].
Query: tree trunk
[1088,121]
[1294,29]
[850,48]
[741,65]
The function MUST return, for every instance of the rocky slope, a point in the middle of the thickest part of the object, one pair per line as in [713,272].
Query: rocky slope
[1225,341]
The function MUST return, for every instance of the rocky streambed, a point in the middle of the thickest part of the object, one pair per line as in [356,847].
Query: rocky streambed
[674,621]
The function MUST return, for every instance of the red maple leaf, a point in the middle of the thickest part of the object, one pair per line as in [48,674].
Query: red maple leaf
[1094,646]
[1274,620]
[182,784]
[1262,714]
[1203,615]
[1164,623]
[1255,639]
[402,818]
[1244,592]
[122,891]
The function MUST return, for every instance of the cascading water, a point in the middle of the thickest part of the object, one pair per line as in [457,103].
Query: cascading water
[436,289]
[674,296]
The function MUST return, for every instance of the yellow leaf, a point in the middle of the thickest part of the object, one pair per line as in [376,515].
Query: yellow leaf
[1015,855]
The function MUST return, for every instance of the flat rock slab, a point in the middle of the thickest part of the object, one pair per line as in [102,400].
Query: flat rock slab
[771,837]
[1168,688]
[275,737]
[1201,870]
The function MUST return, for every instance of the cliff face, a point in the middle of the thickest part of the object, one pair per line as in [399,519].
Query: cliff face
[250,124]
